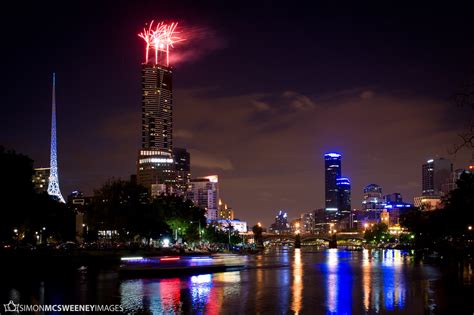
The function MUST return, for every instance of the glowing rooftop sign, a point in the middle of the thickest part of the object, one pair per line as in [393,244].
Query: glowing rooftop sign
[342,181]
[332,154]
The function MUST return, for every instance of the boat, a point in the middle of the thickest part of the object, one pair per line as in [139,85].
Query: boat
[170,266]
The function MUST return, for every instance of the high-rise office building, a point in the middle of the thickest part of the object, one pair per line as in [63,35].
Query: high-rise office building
[281,225]
[40,179]
[373,203]
[435,174]
[204,192]
[308,222]
[182,163]
[155,160]
[373,200]
[332,171]
[343,185]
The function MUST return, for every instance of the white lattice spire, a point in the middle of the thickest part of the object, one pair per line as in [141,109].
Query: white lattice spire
[53,185]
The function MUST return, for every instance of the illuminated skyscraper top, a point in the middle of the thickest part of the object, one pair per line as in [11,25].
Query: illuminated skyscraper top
[155,164]
[157,89]
[53,185]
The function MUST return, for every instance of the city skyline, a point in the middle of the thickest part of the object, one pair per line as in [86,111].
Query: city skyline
[280,132]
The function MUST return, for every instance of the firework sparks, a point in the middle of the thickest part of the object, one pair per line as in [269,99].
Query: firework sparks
[160,38]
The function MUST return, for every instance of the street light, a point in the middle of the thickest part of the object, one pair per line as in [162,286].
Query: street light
[469,227]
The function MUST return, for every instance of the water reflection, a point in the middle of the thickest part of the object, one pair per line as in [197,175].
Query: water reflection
[299,281]
[297,286]
[383,280]
[201,286]
[338,274]
[201,294]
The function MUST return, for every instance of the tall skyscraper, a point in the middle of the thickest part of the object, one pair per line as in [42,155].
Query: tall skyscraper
[155,160]
[53,184]
[157,167]
[332,171]
[344,195]
[435,174]
[157,107]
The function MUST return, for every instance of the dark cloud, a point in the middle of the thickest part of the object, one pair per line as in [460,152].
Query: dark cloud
[209,162]
[183,134]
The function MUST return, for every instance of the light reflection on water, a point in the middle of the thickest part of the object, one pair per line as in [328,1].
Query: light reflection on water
[382,285]
[296,281]
[297,285]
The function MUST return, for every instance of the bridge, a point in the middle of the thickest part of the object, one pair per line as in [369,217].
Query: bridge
[308,239]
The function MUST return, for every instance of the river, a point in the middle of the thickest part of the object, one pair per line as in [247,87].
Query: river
[306,281]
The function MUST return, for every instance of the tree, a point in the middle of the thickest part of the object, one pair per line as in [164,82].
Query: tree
[445,228]
[121,206]
[24,209]
[378,233]
[16,190]
[258,234]
[464,99]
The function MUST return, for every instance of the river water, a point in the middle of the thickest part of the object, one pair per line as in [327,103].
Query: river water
[306,281]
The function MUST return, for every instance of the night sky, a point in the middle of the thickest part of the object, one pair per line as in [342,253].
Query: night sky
[260,93]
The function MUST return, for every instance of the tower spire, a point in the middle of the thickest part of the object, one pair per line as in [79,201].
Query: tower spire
[53,185]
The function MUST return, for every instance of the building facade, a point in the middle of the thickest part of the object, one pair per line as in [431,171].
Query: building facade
[225,212]
[182,162]
[204,193]
[372,204]
[40,179]
[308,222]
[427,202]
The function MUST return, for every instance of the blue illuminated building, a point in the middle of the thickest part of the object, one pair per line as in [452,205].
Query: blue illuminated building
[332,171]
[395,206]
[281,225]
[343,185]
